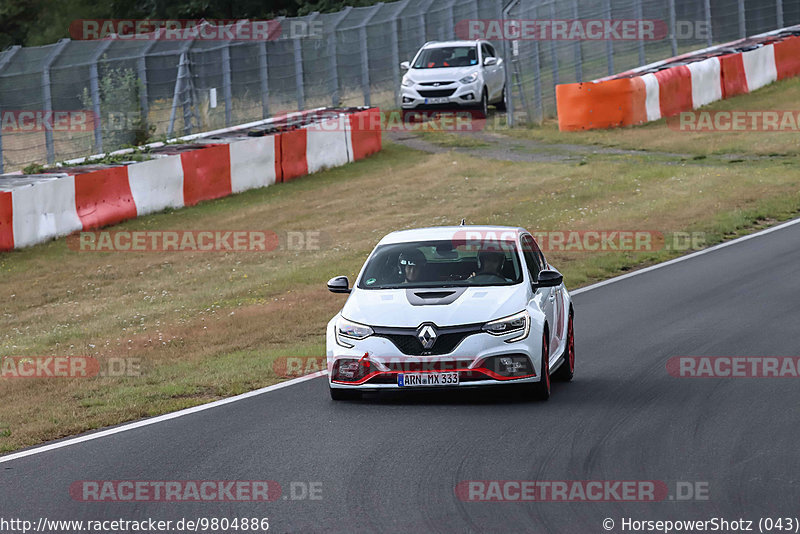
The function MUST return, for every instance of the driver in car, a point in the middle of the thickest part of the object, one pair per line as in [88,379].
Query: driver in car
[490,264]
[411,264]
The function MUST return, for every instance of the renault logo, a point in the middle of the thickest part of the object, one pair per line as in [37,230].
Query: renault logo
[427,336]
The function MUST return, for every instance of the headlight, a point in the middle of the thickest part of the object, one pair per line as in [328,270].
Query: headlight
[519,322]
[350,330]
[469,79]
[407,82]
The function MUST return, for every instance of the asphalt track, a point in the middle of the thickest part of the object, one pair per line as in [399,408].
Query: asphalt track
[391,463]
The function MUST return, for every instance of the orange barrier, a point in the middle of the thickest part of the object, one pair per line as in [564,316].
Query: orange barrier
[206,174]
[365,132]
[293,154]
[104,197]
[6,221]
[586,106]
[787,57]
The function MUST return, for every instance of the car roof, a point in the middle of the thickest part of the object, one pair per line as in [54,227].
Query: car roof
[441,44]
[444,233]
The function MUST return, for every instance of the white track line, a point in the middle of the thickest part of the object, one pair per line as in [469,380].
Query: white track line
[203,407]
[154,420]
[687,257]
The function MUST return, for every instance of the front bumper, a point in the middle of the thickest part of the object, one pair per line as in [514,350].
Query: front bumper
[476,359]
[418,96]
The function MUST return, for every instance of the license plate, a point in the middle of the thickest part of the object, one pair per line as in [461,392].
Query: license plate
[436,100]
[427,379]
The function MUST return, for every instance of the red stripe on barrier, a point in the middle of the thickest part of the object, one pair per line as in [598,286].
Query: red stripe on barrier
[278,155]
[674,90]
[365,132]
[734,81]
[104,197]
[787,57]
[293,154]
[206,174]
[6,221]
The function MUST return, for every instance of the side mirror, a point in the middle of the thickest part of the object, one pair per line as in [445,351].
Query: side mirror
[549,278]
[489,61]
[405,65]
[339,284]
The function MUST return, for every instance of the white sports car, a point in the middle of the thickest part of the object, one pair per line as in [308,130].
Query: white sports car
[457,306]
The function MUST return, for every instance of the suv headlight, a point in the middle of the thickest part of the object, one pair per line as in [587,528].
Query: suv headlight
[519,322]
[407,82]
[469,78]
[349,330]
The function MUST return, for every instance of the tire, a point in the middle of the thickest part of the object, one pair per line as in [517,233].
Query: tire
[344,394]
[567,369]
[501,106]
[483,107]
[541,389]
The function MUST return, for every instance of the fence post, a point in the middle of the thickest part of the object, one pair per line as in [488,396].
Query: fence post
[395,43]
[48,100]
[334,66]
[673,34]
[510,119]
[742,21]
[141,65]
[638,14]
[226,81]
[263,75]
[554,51]
[94,85]
[709,28]
[578,44]
[779,12]
[298,74]
[362,34]
[3,62]
[182,68]
[609,44]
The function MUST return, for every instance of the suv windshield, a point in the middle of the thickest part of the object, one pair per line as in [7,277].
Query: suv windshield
[446,56]
[442,264]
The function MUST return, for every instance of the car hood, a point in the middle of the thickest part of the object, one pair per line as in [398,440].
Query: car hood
[393,307]
[441,75]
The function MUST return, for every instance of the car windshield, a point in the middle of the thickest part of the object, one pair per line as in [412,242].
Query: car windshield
[447,56]
[442,264]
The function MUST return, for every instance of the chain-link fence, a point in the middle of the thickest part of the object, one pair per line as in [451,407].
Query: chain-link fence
[79,97]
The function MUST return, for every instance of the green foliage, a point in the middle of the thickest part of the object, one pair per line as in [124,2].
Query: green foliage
[122,120]
[39,22]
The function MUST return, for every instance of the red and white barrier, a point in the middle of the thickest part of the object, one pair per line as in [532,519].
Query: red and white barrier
[51,206]
[695,81]
[759,67]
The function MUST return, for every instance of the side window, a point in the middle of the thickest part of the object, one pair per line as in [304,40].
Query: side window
[490,50]
[539,254]
[529,251]
[486,51]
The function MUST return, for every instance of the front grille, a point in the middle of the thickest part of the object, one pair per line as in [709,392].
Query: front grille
[405,339]
[436,93]
[434,84]
[415,367]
